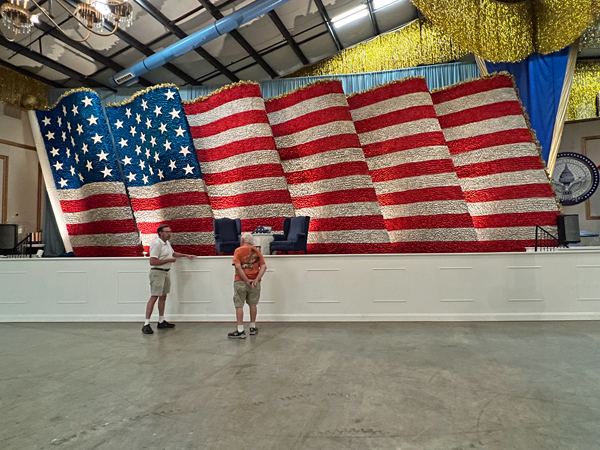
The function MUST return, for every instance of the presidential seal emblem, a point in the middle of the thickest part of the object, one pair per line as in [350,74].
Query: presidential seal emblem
[575,178]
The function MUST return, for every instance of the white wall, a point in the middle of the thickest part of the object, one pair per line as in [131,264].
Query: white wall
[560,285]
[22,171]
[571,142]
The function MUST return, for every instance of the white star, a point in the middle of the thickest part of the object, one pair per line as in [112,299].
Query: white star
[102,156]
[174,113]
[170,94]
[97,138]
[142,165]
[76,158]
[87,101]
[138,150]
[131,177]
[69,126]
[46,121]
[68,153]
[64,110]
[162,128]
[92,120]
[147,153]
[145,178]
[80,129]
[144,105]
[84,148]
[107,172]
[156,157]
[59,120]
[143,137]
[62,182]
[80,177]
[151,170]
[64,136]
[153,141]
[119,124]
[138,118]
[148,123]
[72,141]
[88,165]
[54,151]
[123,142]
[49,135]
[184,150]
[158,110]
[160,174]
[126,160]
[72,170]
[188,169]
[180,131]
[132,131]
[172,165]
[128,112]
[75,110]
[167,145]
[58,166]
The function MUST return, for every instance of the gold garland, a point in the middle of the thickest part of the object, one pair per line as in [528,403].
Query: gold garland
[301,88]
[586,85]
[509,32]
[66,94]
[417,43]
[20,90]
[139,93]
[203,98]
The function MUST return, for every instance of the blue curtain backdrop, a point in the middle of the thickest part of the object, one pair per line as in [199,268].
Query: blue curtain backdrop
[539,79]
[437,76]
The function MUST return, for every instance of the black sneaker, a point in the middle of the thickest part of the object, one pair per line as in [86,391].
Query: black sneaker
[237,335]
[147,329]
[165,324]
[253,331]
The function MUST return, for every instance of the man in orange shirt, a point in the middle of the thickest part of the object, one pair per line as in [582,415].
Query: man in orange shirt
[249,270]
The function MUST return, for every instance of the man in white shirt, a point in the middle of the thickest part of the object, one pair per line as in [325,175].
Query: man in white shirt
[161,258]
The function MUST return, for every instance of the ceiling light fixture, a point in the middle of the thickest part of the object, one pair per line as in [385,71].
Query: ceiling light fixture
[92,14]
[380,4]
[350,16]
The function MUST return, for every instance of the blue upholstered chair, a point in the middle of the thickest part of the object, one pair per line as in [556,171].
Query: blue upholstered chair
[227,234]
[294,237]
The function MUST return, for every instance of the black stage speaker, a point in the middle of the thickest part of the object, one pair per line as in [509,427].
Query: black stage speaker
[9,234]
[568,228]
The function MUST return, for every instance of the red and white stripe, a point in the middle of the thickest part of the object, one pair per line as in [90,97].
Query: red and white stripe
[419,193]
[326,171]
[183,205]
[497,162]
[238,157]
[99,220]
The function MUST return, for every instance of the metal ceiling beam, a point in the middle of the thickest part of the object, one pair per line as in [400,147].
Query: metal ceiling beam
[29,74]
[288,37]
[327,21]
[235,34]
[133,42]
[82,48]
[373,18]
[27,52]
[165,22]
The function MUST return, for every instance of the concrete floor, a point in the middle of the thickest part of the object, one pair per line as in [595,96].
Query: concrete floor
[301,386]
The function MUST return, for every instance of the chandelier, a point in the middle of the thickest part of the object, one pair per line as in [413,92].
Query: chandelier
[92,14]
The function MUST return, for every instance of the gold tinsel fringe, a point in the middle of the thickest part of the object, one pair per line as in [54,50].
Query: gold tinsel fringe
[203,98]
[139,93]
[586,86]
[301,88]
[387,83]
[66,94]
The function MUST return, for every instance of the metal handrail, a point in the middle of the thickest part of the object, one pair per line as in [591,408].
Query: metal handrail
[23,248]
[544,237]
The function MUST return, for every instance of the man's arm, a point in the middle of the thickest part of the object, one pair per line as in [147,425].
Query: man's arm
[183,255]
[154,261]
[261,272]
[242,274]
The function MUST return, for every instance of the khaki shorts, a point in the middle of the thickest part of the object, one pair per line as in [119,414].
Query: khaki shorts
[242,293]
[160,282]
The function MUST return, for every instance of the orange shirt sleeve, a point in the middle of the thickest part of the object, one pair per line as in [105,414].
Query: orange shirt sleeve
[261,260]
[236,257]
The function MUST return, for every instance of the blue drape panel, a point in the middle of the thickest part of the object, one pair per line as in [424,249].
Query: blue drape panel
[53,244]
[539,79]
[437,76]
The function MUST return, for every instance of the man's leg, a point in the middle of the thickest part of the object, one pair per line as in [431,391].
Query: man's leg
[253,311]
[239,315]
[150,306]
[161,305]
[239,298]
